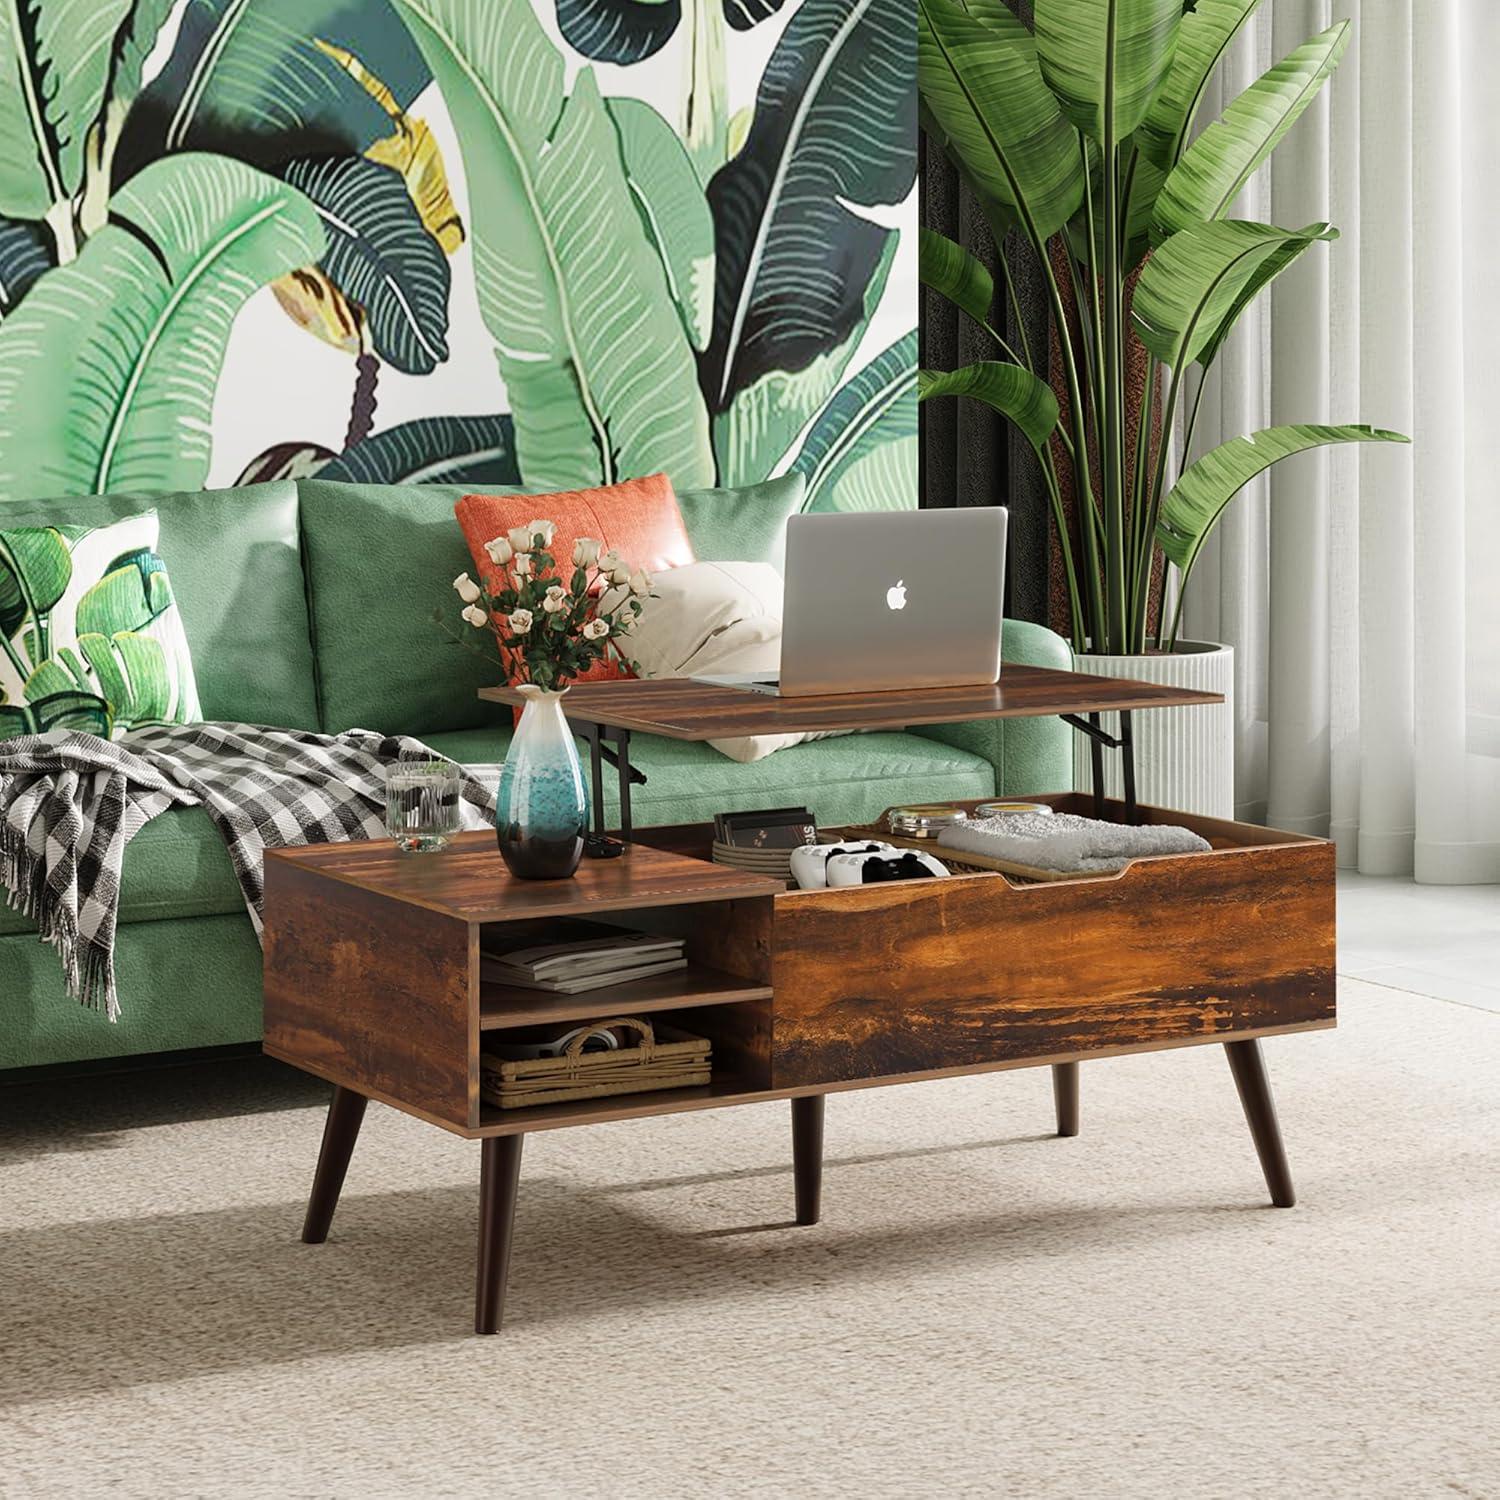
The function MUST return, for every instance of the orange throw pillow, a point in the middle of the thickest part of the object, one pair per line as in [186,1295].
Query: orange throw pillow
[638,518]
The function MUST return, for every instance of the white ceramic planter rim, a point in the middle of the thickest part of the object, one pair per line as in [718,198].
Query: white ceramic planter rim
[1182,648]
[1184,756]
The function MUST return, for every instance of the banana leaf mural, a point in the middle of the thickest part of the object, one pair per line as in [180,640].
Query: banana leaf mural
[108,366]
[535,274]
[250,78]
[629,31]
[381,257]
[591,348]
[861,453]
[799,267]
[433,450]
[23,257]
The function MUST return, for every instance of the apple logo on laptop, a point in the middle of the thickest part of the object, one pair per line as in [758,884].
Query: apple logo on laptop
[895,596]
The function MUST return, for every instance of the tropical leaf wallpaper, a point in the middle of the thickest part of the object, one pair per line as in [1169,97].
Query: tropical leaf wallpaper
[549,243]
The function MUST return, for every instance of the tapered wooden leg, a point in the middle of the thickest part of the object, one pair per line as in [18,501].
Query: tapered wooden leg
[1249,1069]
[807,1156]
[499,1176]
[1065,1093]
[345,1115]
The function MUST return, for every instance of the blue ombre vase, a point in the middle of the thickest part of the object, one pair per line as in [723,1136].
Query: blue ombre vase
[542,809]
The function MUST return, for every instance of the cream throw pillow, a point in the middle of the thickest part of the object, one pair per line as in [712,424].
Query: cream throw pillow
[713,618]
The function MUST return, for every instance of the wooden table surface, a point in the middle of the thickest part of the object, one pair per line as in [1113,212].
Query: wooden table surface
[681,709]
[469,880]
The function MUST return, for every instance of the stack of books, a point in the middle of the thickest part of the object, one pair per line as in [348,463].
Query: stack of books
[589,956]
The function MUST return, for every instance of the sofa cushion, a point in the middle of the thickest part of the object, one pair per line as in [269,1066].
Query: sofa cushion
[747,524]
[236,566]
[176,866]
[94,638]
[380,559]
[841,780]
[194,983]
[638,518]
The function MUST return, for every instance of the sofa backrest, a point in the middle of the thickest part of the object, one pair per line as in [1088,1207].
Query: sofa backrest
[234,560]
[380,559]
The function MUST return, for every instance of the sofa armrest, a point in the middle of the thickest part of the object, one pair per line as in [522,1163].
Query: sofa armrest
[1029,755]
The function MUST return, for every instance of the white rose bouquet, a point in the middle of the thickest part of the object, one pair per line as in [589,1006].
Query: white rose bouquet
[551,622]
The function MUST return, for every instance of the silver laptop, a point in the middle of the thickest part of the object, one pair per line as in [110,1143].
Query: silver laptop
[886,600]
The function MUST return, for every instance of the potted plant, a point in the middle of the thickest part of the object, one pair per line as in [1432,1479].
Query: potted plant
[552,624]
[1078,136]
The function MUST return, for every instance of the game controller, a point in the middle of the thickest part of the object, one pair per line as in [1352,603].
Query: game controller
[810,862]
[892,864]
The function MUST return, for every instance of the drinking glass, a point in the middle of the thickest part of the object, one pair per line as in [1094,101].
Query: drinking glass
[421,804]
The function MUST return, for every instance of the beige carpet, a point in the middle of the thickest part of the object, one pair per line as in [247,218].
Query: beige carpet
[985,1310]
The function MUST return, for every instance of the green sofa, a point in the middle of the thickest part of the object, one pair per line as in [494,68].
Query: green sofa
[309,605]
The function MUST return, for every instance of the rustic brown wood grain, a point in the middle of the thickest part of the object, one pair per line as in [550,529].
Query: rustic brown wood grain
[682,709]
[503,1005]
[374,993]
[741,1036]
[904,978]
[469,880]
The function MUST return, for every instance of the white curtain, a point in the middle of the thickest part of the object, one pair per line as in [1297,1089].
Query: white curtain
[1361,586]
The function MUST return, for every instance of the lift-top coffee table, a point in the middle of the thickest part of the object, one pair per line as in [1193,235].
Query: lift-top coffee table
[372,979]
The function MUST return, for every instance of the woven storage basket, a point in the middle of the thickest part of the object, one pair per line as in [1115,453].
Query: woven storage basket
[671,1060]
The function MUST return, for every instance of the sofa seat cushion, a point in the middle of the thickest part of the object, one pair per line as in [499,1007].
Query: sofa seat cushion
[176,866]
[841,780]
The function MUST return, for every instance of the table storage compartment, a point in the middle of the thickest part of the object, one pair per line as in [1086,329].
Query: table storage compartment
[889,980]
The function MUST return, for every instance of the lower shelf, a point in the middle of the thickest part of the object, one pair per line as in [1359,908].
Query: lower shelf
[730,1090]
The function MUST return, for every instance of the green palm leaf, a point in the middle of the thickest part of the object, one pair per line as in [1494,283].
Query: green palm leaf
[36,566]
[433,450]
[1193,290]
[23,258]
[594,357]
[669,199]
[860,453]
[885,477]
[132,46]
[1013,392]
[250,78]
[618,31]
[84,712]
[983,87]
[1104,59]
[752,437]
[1206,34]
[798,253]
[1206,487]
[953,273]
[1225,157]
[108,369]
[54,67]
[381,257]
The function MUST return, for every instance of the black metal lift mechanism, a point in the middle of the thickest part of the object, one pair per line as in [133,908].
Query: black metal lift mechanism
[607,742]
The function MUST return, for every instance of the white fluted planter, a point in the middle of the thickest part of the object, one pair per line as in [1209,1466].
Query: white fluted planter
[1184,757]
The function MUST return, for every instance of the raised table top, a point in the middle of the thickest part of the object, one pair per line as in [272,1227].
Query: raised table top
[469,880]
[681,709]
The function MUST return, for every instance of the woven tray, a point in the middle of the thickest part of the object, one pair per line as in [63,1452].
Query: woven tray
[668,1059]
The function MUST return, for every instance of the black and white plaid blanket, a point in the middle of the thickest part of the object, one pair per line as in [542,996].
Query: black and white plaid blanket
[70,803]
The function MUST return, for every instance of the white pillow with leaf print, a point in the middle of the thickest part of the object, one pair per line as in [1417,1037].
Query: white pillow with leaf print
[90,635]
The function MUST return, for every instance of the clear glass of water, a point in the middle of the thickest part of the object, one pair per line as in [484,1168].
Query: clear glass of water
[421,805]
